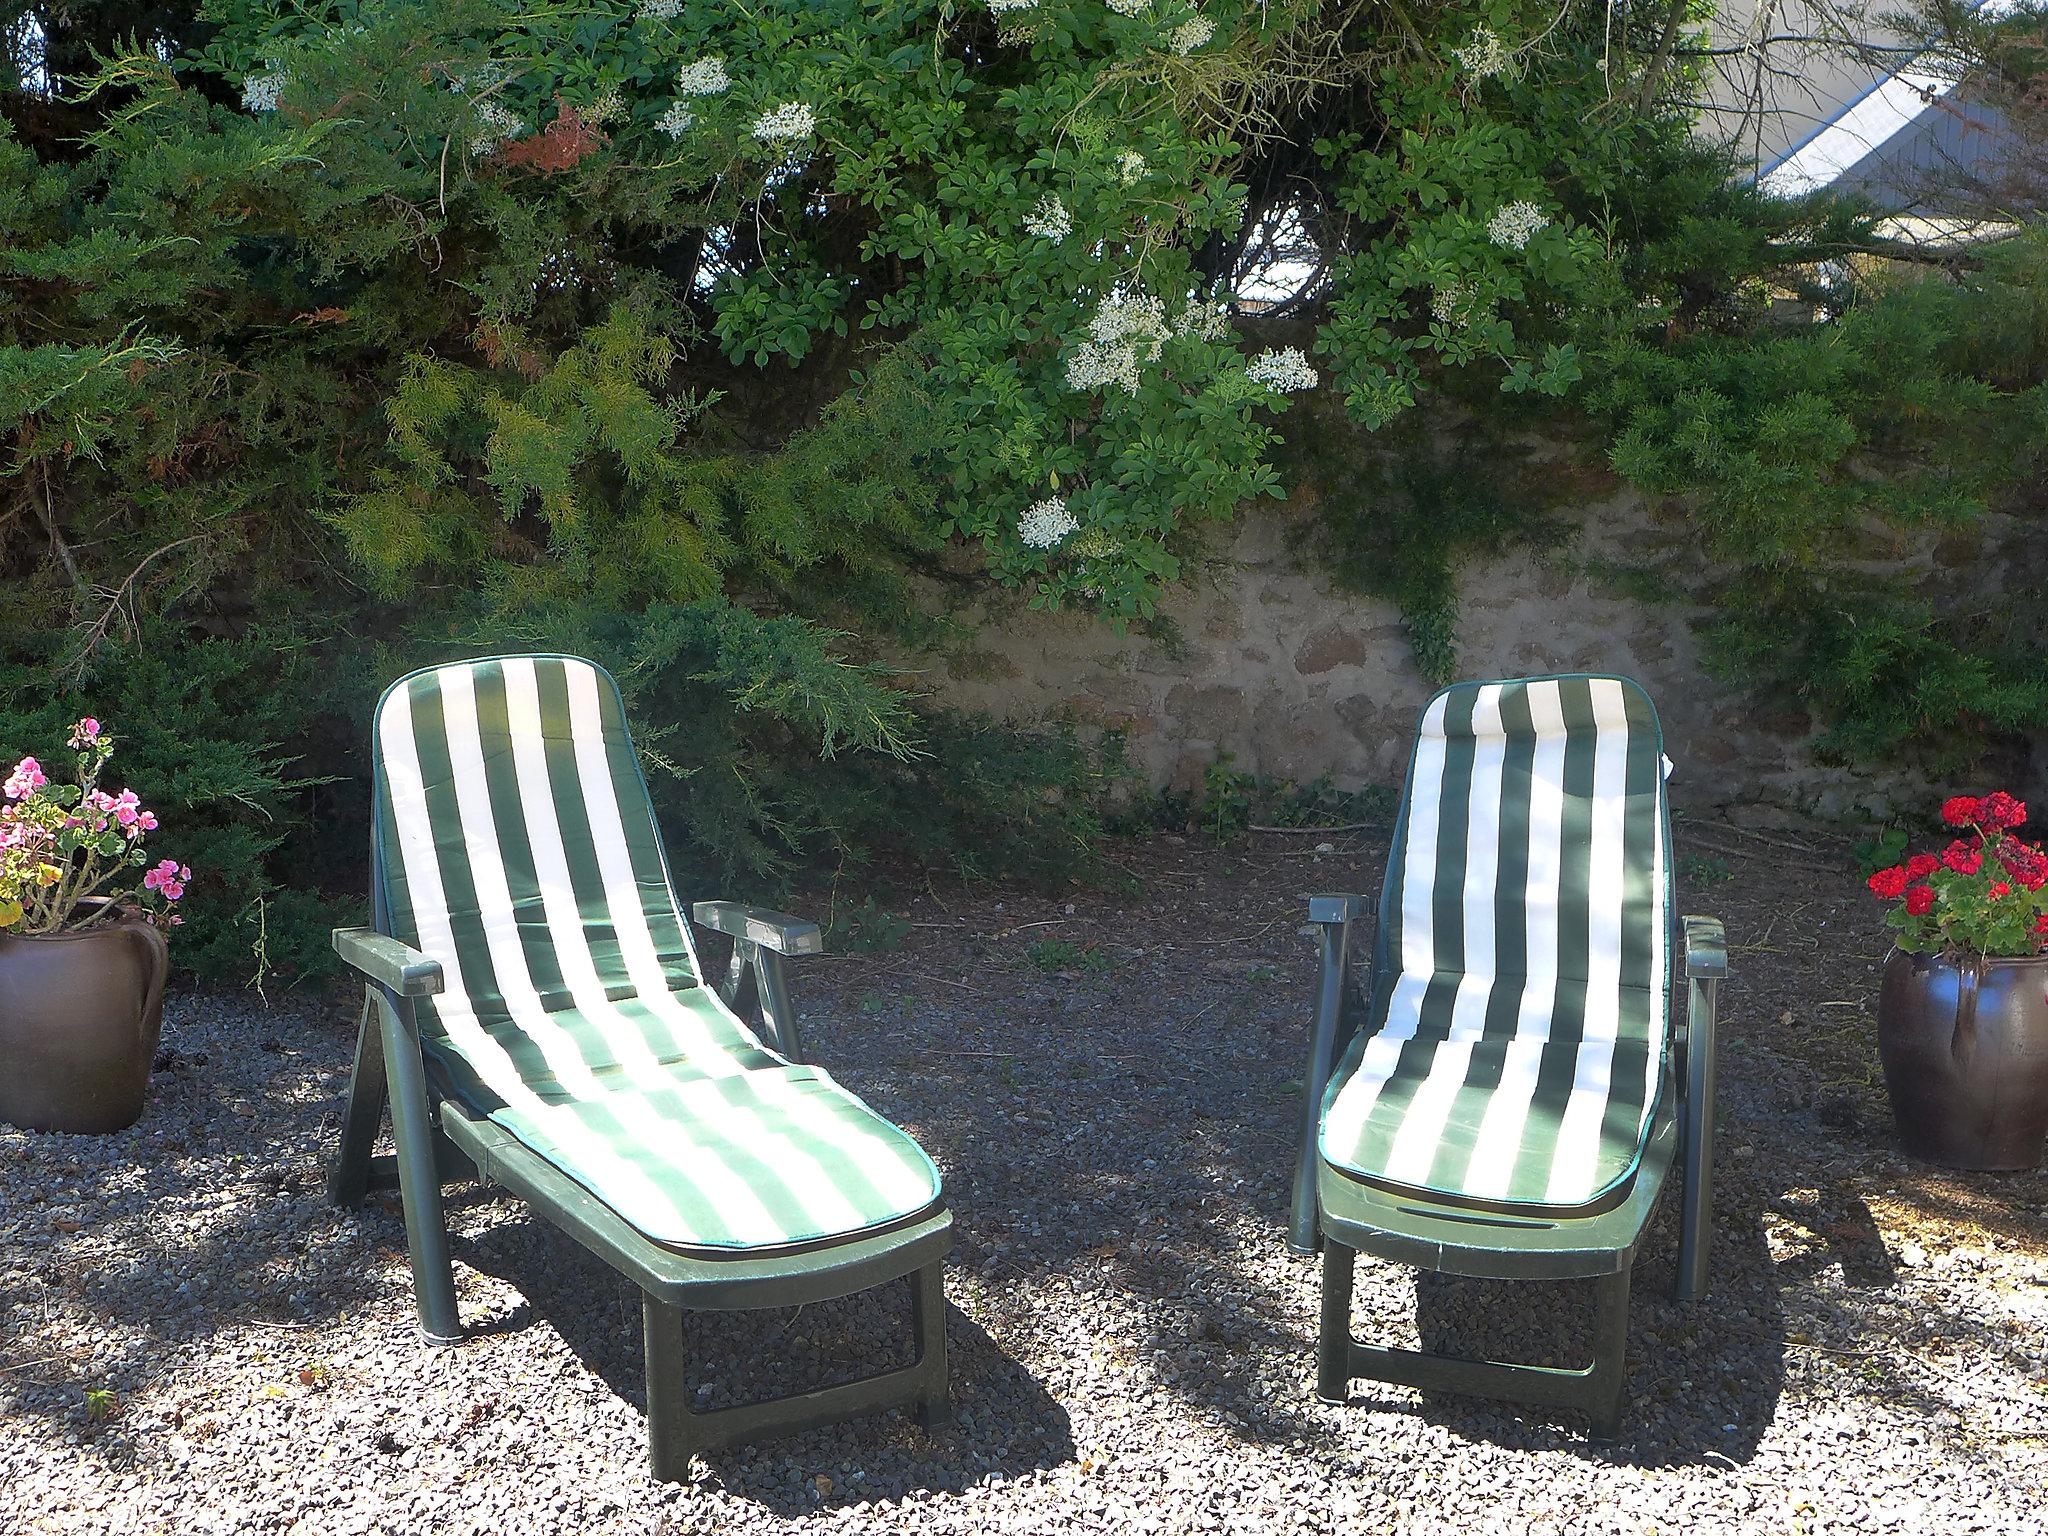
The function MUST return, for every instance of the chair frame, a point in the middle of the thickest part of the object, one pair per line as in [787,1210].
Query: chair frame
[1343,1216]
[438,1140]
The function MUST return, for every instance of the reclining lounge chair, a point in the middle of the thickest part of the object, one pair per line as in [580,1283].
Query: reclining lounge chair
[537,1014]
[1510,1098]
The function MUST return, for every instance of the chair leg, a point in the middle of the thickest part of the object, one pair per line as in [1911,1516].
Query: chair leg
[928,1323]
[419,1176]
[348,1176]
[1333,1341]
[670,1442]
[1608,1382]
[1696,1210]
[675,1432]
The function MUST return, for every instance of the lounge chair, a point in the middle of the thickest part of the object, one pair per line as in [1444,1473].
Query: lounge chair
[537,1015]
[1508,1102]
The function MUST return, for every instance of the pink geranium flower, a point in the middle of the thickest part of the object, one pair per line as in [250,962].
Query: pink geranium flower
[85,733]
[27,778]
[167,879]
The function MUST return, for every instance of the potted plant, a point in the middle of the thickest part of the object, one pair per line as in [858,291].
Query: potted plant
[83,913]
[1962,1013]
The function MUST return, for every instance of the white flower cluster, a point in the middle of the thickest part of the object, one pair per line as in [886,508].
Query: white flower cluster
[1130,166]
[786,123]
[1206,318]
[1450,302]
[1483,54]
[491,72]
[1284,370]
[1000,6]
[609,106]
[660,10]
[1513,224]
[1049,220]
[1133,317]
[1129,7]
[1095,365]
[1127,331]
[261,93]
[1191,34]
[706,77]
[495,124]
[676,121]
[1045,523]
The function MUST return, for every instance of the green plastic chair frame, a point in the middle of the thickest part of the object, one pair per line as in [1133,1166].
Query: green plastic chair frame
[438,1141]
[1344,1217]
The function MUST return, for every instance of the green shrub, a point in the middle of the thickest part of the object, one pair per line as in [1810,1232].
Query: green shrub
[338,337]
[206,733]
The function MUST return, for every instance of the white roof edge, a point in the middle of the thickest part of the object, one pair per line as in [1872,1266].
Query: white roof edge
[1868,123]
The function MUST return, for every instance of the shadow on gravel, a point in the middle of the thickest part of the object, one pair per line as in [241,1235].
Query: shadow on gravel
[1842,1231]
[197,1252]
[2013,1204]
[1704,1380]
[738,1357]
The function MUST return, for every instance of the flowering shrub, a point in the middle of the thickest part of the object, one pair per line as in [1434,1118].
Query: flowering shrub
[976,197]
[61,844]
[535,308]
[1985,893]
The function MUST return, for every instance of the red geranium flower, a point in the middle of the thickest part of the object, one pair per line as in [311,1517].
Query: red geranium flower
[2024,862]
[1999,888]
[1998,809]
[2041,922]
[1888,884]
[1921,865]
[1962,857]
[1961,811]
[1920,900]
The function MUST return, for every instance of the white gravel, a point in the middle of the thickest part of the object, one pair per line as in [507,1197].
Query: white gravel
[192,1341]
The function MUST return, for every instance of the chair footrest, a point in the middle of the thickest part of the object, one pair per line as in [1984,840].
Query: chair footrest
[1551,1386]
[743,1423]
[1596,1389]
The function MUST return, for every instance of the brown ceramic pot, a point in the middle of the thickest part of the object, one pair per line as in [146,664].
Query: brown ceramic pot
[1965,1050]
[79,1017]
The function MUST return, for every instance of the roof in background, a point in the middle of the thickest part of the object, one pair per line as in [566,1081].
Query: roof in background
[1814,97]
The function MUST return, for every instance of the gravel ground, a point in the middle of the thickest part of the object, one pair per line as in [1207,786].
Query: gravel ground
[192,1340]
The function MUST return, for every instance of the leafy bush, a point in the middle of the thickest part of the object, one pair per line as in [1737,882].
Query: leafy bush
[715,339]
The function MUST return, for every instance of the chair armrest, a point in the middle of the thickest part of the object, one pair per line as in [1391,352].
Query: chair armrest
[1334,916]
[389,963]
[1336,909]
[779,931]
[1706,948]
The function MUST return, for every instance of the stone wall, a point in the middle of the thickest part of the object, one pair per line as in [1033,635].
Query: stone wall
[1294,679]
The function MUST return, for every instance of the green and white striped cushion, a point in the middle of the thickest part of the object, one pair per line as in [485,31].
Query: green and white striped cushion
[1515,1047]
[517,847]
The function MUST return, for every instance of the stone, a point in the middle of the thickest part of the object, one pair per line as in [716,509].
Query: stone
[1289,737]
[979,665]
[1329,647]
[1215,713]
[1786,724]
[1374,724]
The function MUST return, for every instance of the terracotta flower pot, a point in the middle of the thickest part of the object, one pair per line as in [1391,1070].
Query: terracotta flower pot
[1965,1051]
[79,1018]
